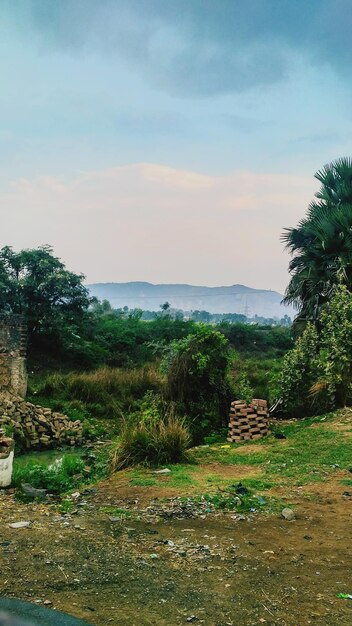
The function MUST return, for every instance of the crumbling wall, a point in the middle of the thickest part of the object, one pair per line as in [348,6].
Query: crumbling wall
[13,341]
[33,426]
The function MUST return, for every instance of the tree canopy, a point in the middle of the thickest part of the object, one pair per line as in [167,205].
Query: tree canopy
[321,244]
[36,284]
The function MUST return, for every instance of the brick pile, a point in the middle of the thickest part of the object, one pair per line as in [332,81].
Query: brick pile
[248,421]
[36,427]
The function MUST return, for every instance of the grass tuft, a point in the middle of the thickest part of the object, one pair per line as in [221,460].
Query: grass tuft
[151,443]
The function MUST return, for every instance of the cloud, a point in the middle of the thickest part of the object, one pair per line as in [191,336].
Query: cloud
[151,222]
[196,48]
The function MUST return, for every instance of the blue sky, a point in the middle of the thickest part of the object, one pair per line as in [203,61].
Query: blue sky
[169,140]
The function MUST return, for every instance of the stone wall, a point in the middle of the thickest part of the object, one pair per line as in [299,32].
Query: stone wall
[13,340]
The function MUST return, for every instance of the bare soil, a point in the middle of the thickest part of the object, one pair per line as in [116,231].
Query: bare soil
[215,570]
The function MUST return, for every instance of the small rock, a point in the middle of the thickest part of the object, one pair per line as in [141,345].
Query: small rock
[288,514]
[20,525]
[33,492]
[163,471]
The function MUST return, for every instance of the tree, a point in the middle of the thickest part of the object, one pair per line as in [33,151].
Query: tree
[197,379]
[317,373]
[299,372]
[335,357]
[321,244]
[36,284]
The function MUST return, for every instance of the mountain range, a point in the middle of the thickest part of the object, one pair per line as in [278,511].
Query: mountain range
[231,299]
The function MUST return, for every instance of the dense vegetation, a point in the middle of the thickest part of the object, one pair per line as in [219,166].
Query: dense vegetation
[161,381]
[317,373]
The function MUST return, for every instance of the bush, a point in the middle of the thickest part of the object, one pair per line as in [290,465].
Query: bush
[197,369]
[151,443]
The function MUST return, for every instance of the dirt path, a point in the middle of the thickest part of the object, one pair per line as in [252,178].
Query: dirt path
[218,571]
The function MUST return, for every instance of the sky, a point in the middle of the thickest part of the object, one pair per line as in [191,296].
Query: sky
[169,141]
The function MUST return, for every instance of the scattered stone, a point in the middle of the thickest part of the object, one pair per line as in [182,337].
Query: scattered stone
[20,525]
[163,471]
[288,514]
[33,492]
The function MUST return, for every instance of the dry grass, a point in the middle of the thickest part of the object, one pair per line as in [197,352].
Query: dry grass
[108,392]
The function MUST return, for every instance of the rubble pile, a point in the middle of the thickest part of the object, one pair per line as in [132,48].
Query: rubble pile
[36,427]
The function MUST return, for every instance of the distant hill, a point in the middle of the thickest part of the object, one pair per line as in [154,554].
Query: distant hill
[232,299]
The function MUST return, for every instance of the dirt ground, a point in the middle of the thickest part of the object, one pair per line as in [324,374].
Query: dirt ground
[215,569]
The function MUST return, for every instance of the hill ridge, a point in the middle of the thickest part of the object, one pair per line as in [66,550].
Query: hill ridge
[236,298]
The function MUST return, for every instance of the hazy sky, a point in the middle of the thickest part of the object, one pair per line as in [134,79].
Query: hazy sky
[169,140]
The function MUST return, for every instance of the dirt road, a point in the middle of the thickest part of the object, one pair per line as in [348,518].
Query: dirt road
[216,571]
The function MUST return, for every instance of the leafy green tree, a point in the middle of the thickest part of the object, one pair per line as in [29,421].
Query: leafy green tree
[321,244]
[197,378]
[317,373]
[36,284]
[299,372]
[335,356]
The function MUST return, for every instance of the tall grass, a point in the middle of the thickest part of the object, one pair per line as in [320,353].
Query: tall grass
[106,392]
[151,443]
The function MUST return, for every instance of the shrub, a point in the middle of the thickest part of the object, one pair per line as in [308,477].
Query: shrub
[151,443]
[197,370]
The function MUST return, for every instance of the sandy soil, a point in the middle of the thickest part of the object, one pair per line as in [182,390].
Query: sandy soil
[218,571]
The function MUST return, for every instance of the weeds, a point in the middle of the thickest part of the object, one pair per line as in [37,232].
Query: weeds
[56,478]
[154,443]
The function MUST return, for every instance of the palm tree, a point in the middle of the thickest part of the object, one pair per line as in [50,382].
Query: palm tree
[321,244]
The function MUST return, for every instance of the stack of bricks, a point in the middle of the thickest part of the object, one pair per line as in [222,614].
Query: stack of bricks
[248,421]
